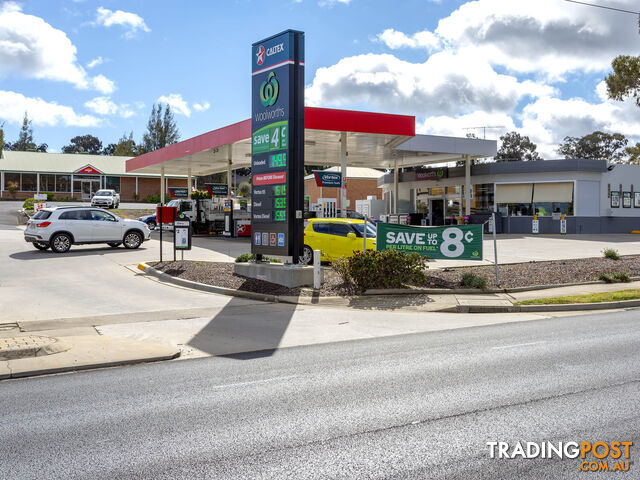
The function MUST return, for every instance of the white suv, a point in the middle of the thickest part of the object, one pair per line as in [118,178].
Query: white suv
[61,227]
[106,198]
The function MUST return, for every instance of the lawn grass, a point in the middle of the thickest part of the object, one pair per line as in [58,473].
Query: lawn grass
[631,294]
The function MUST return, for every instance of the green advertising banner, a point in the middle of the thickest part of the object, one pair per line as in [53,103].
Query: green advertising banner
[457,242]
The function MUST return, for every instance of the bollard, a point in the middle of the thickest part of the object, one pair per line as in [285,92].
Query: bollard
[317,270]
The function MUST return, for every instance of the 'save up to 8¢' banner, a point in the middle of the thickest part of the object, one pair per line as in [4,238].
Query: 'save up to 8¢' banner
[460,242]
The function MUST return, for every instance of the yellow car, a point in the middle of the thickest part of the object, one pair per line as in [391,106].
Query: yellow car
[335,238]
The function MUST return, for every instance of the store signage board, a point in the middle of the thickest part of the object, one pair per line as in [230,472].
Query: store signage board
[217,189]
[328,179]
[461,242]
[180,192]
[277,144]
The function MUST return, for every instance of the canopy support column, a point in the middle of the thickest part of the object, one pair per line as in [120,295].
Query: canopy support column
[189,183]
[343,174]
[395,185]
[467,185]
[229,163]
[162,185]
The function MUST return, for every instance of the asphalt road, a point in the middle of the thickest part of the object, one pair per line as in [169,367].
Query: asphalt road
[412,406]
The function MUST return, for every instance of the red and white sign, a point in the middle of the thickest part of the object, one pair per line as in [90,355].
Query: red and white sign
[270,178]
[38,206]
[273,239]
[88,169]
[243,228]
[260,55]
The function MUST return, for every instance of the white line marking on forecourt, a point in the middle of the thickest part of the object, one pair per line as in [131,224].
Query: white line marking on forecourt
[518,345]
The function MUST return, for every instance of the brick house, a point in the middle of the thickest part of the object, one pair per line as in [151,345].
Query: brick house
[75,176]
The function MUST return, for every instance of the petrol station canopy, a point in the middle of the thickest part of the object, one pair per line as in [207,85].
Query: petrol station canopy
[375,140]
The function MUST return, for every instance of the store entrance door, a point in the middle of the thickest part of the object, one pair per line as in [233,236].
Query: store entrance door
[88,188]
[437,211]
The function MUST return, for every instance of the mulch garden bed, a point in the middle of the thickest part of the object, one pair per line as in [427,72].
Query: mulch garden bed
[555,272]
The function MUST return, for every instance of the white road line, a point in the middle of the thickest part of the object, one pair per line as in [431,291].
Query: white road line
[518,345]
[241,384]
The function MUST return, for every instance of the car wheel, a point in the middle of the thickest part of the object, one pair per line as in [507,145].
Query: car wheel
[61,243]
[152,225]
[113,244]
[41,246]
[132,240]
[307,255]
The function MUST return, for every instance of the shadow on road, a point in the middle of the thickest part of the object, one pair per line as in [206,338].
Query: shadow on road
[74,252]
[243,331]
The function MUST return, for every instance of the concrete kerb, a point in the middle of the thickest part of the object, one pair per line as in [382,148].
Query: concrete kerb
[164,277]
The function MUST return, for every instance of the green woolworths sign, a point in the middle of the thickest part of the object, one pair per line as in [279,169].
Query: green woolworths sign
[461,242]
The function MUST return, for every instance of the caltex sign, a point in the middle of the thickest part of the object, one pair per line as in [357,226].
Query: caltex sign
[461,242]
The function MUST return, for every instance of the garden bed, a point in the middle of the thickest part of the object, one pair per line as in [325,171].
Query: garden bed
[532,274]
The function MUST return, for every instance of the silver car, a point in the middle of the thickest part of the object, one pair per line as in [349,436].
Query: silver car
[60,227]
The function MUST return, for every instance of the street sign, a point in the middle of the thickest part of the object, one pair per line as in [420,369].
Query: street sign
[179,192]
[277,144]
[461,242]
[218,189]
[328,179]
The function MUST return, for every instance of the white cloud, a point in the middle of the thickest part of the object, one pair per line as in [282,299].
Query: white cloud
[95,62]
[13,105]
[30,47]
[177,103]
[550,37]
[106,106]
[103,84]
[330,3]
[437,86]
[394,39]
[201,107]
[131,21]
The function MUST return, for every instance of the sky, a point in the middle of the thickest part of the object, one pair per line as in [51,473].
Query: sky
[532,66]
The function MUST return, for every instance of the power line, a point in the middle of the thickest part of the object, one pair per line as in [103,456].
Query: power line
[602,6]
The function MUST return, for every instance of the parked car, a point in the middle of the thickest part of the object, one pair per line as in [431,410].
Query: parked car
[356,215]
[150,220]
[106,198]
[335,238]
[60,227]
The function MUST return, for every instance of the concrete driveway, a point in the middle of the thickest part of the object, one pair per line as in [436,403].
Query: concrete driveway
[87,281]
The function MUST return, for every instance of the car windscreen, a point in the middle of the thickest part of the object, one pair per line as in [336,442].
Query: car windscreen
[41,215]
[371,229]
[173,203]
[103,193]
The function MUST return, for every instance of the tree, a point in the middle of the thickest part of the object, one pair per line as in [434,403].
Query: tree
[161,129]
[597,145]
[1,137]
[25,137]
[625,80]
[516,148]
[634,153]
[84,144]
[126,146]
[108,150]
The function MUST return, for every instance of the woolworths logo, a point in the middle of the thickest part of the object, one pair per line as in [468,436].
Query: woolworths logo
[269,90]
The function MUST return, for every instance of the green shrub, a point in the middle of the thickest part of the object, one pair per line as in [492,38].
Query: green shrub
[611,254]
[245,257]
[28,204]
[49,196]
[386,269]
[616,277]
[153,198]
[341,267]
[473,281]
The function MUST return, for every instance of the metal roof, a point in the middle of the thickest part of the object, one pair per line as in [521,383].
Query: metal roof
[374,140]
[65,163]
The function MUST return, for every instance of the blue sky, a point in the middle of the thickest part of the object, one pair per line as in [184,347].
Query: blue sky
[97,66]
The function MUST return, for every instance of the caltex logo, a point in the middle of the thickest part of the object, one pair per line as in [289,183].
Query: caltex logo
[260,55]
